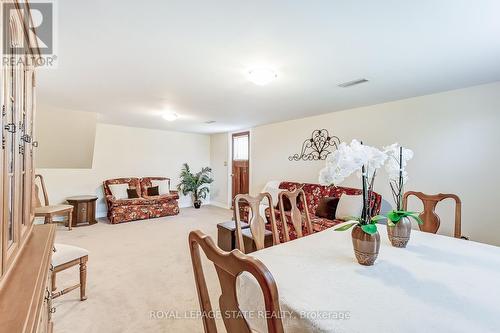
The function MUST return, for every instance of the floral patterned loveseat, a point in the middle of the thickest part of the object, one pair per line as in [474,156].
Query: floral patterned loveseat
[314,193]
[144,207]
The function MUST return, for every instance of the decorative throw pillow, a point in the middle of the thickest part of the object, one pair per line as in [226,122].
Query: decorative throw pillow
[153,191]
[162,185]
[119,191]
[327,207]
[349,205]
[287,205]
[132,193]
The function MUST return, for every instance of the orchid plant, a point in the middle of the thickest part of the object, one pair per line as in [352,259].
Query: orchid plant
[398,158]
[346,160]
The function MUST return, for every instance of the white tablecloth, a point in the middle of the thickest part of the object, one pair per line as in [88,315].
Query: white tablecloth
[436,284]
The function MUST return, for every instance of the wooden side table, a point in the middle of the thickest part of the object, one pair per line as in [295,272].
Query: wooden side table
[226,234]
[84,209]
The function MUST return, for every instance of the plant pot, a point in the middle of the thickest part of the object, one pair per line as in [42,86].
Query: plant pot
[399,235]
[366,246]
[197,204]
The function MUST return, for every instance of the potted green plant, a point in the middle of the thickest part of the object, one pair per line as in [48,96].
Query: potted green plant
[196,184]
[346,160]
[398,222]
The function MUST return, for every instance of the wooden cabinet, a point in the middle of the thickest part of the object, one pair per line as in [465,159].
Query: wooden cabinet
[26,250]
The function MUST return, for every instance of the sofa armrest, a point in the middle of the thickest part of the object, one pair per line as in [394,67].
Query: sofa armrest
[175,194]
[110,198]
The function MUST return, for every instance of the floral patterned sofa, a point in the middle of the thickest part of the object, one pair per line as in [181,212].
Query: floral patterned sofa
[314,193]
[144,207]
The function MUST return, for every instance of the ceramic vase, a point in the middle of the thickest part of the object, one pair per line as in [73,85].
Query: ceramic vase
[399,235]
[366,246]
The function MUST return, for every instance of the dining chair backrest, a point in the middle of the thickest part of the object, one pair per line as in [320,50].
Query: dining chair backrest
[296,216]
[429,216]
[229,265]
[36,194]
[257,222]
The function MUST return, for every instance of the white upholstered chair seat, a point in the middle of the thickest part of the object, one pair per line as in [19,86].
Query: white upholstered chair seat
[66,253]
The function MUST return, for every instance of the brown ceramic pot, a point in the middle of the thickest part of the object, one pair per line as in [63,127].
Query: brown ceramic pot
[366,246]
[399,235]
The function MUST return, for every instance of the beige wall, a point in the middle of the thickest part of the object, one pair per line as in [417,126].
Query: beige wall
[219,161]
[130,152]
[455,136]
[66,138]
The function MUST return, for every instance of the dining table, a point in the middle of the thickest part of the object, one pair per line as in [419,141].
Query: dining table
[436,284]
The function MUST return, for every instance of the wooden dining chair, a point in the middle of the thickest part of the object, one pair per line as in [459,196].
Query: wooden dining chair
[429,216]
[257,223]
[297,218]
[229,265]
[48,211]
[67,256]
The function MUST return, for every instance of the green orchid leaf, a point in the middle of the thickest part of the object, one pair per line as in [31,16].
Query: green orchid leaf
[394,216]
[370,229]
[345,227]
[377,218]
[417,218]
[390,223]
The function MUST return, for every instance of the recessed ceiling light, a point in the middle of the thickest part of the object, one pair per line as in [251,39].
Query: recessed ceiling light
[171,116]
[262,76]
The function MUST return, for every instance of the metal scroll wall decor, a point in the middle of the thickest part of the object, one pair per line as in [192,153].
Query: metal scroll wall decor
[318,147]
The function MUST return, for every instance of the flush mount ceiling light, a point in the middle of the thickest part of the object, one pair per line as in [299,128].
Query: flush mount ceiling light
[352,83]
[171,116]
[262,76]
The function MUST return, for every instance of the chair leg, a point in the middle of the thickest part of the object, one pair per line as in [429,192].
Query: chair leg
[70,218]
[53,279]
[83,277]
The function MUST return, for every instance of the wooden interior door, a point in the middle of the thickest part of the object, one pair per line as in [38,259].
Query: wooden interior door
[240,163]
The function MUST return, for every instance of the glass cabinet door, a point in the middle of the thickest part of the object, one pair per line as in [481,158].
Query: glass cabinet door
[10,155]
[11,111]
[25,152]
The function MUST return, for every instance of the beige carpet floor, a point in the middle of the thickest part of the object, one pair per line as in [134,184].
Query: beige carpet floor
[134,269]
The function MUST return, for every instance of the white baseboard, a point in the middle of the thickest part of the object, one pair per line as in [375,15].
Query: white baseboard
[219,204]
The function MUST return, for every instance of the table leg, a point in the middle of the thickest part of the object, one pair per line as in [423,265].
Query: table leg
[70,218]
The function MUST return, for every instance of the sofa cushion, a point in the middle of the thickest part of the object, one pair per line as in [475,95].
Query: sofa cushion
[148,182]
[132,183]
[132,193]
[349,206]
[314,193]
[152,191]
[159,199]
[155,200]
[130,202]
[119,191]
[320,223]
[163,185]
[327,207]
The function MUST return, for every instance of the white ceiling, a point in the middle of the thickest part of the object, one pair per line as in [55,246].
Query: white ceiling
[131,60]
